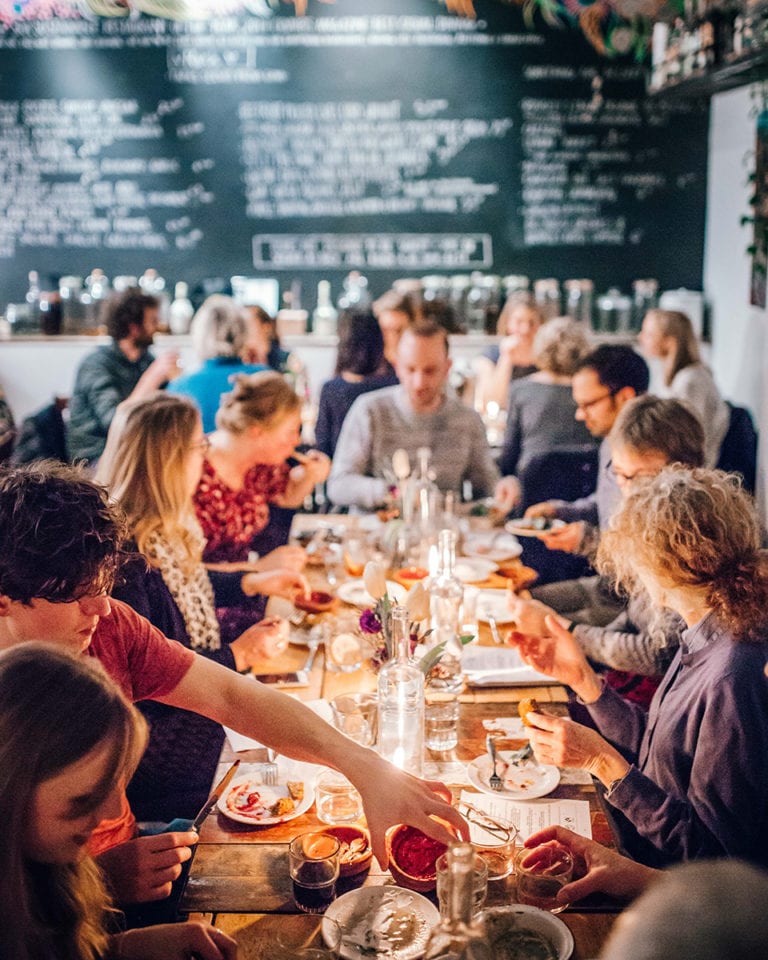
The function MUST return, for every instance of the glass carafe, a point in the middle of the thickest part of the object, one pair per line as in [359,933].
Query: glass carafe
[446,593]
[401,702]
[460,935]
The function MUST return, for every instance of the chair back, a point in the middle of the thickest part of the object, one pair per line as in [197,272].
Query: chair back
[738,451]
[567,473]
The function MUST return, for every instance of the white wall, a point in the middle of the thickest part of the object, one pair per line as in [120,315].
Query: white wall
[739,344]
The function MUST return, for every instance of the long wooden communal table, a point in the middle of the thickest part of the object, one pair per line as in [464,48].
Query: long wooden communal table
[239,878]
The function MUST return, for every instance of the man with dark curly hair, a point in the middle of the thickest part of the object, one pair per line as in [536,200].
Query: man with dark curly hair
[61,543]
[113,373]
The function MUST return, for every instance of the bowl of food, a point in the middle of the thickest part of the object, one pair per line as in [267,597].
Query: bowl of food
[521,932]
[318,601]
[407,576]
[518,576]
[355,853]
[413,858]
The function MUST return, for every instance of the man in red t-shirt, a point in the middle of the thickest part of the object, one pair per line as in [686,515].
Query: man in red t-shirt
[60,550]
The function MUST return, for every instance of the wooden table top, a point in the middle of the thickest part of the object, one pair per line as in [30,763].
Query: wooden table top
[239,877]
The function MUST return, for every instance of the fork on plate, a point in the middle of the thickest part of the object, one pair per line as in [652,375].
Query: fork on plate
[269,769]
[494,780]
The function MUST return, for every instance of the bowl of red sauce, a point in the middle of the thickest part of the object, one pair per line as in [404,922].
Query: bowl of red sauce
[412,858]
[407,576]
[315,602]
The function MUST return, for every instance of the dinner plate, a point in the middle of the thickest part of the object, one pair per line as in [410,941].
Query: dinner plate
[473,569]
[527,781]
[493,603]
[493,545]
[523,527]
[503,921]
[389,922]
[354,592]
[270,795]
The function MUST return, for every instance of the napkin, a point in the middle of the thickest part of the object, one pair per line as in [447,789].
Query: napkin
[498,667]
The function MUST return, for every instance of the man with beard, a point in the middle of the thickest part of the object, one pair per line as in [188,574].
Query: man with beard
[125,369]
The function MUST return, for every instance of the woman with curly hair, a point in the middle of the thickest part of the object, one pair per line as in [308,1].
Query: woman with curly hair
[690,778]
[68,741]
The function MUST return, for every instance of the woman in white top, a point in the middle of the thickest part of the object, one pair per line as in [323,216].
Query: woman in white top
[668,335]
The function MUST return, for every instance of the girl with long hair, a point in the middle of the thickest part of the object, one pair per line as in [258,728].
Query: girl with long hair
[68,739]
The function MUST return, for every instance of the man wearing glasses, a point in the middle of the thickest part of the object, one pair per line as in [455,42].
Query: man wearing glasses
[605,381]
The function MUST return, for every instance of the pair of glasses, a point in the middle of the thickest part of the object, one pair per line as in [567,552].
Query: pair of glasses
[204,445]
[592,403]
[628,477]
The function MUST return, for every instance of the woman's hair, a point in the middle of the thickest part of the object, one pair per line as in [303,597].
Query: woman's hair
[262,399]
[513,303]
[55,709]
[651,424]
[559,346]
[218,328]
[398,302]
[257,314]
[697,528]
[673,323]
[361,344]
[144,468]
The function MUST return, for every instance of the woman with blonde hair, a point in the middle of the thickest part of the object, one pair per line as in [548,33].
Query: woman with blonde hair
[219,332]
[499,366]
[246,471]
[668,336]
[151,467]
[542,412]
[689,779]
[68,740]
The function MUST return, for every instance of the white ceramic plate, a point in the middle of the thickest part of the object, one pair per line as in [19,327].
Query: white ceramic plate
[493,603]
[517,916]
[527,781]
[473,569]
[523,527]
[386,922]
[269,796]
[493,545]
[354,592]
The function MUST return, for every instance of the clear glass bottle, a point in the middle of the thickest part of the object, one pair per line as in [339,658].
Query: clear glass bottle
[72,306]
[420,500]
[154,285]
[460,935]
[181,310]
[33,301]
[324,316]
[401,702]
[446,593]
[355,293]
[96,291]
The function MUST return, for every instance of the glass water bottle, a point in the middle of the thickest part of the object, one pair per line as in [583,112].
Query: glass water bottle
[401,702]
[459,935]
[446,593]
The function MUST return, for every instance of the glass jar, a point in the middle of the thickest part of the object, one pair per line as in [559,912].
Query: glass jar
[546,294]
[614,312]
[72,305]
[578,300]
[645,296]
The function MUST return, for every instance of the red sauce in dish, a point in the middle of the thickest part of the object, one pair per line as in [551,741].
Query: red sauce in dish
[412,573]
[317,600]
[415,853]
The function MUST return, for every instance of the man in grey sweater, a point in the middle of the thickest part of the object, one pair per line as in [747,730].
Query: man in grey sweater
[416,413]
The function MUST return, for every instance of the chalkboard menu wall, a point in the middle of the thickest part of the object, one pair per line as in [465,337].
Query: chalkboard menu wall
[382,135]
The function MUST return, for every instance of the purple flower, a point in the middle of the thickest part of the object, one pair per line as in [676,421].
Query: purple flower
[369,622]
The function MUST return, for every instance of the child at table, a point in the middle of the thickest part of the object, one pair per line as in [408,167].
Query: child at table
[68,740]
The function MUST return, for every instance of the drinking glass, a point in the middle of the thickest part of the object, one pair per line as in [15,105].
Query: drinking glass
[494,839]
[355,715]
[441,724]
[344,651]
[479,884]
[322,943]
[355,554]
[336,799]
[541,872]
[313,860]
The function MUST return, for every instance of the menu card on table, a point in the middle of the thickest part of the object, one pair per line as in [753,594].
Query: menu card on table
[533,815]
[498,667]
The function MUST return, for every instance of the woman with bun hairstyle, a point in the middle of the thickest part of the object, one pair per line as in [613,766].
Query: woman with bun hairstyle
[151,466]
[690,778]
[68,741]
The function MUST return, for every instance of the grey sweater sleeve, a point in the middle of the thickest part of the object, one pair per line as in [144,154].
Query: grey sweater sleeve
[482,470]
[350,483]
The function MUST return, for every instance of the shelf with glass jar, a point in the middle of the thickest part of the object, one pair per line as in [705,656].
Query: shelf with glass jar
[715,46]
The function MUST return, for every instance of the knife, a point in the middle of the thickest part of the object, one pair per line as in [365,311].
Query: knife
[213,799]
[494,630]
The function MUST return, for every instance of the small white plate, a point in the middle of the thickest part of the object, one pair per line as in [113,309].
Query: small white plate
[527,781]
[493,603]
[389,922]
[473,569]
[354,593]
[493,545]
[270,796]
[524,527]
[518,916]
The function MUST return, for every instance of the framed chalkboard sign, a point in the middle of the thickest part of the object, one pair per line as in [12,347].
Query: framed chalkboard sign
[380,135]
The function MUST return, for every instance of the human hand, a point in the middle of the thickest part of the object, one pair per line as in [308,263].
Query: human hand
[596,868]
[287,558]
[144,868]
[529,615]
[507,493]
[564,743]
[166,367]
[510,347]
[567,538]
[313,469]
[275,583]
[262,641]
[558,655]
[545,509]
[175,941]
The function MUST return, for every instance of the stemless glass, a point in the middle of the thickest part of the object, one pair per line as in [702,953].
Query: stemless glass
[355,715]
[495,840]
[336,799]
[541,872]
[313,860]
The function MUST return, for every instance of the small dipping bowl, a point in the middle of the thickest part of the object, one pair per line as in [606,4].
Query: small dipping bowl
[413,857]
[351,864]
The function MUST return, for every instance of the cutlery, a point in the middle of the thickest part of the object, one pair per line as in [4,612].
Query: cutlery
[494,780]
[213,799]
[269,769]
[494,629]
[522,755]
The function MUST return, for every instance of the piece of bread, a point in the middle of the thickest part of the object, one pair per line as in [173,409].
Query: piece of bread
[283,806]
[527,705]
[296,789]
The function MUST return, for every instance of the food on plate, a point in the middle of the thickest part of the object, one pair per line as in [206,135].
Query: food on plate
[407,576]
[283,806]
[296,789]
[535,524]
[527,705]
[488,510]
[523,945]
[253,800]
[519,577]
[315,602]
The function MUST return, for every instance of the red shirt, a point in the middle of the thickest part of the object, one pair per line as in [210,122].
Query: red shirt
[231,518]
